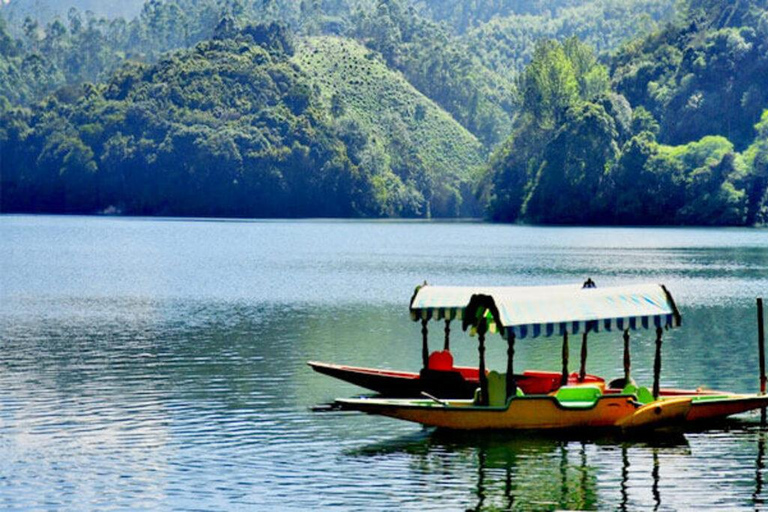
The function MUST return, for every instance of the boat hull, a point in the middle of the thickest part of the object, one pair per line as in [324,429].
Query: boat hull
[522,413]
[670,412]
[547,413]
[459,382]
[721,407]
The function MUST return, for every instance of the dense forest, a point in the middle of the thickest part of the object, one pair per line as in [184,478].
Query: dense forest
[46,10]
[671,130]
[571,111]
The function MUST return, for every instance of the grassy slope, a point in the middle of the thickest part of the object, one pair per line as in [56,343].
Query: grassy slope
[386,105]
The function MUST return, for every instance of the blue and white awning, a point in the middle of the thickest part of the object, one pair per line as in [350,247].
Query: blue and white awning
[531,312]
[449,302]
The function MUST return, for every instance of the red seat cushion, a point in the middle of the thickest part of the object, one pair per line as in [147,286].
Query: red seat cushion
[442,360]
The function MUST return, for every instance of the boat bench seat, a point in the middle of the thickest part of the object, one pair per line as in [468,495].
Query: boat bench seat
[578,397]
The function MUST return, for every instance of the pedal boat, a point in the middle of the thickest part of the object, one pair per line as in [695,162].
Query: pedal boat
[518,313]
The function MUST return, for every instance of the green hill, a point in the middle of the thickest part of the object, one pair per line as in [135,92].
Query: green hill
[677,135]
[705,75]
[407,127]
[235,127]
[506,43]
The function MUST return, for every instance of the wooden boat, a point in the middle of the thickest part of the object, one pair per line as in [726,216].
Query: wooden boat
[551,412]
[462,381]
[453,382]
[439,376]
[529,412]
[518,313]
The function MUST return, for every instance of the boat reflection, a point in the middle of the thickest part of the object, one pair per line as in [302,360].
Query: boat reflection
[757,498]
[534,471]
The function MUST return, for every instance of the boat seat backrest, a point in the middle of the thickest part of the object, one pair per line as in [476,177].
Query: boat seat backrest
[629,389]
[644,395]
[578,396]
[440,360]
[497,389]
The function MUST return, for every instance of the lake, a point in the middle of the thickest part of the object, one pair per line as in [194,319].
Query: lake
[161,364]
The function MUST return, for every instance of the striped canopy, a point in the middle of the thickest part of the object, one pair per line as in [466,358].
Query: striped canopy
[550,310]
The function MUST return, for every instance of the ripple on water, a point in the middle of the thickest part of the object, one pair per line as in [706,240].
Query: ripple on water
[150,364]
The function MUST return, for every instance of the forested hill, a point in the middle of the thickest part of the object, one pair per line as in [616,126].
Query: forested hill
[673,131]
[572,111]
[468,74]
[233,127]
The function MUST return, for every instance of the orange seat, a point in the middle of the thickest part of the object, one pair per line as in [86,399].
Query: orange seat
[441,360]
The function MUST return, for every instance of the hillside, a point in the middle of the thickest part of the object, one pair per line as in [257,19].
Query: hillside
[705,76]
[506,43]
[357,87]
[234,127]
[678,135]
[605,111]
[470,75]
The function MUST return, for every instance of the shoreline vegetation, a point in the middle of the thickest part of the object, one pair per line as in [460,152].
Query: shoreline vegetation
[631,113]
[375,220]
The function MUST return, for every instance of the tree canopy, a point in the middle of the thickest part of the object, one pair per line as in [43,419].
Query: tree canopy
[573,111]
[232,127]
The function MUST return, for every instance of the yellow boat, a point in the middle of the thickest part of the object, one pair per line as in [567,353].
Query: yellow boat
[518,313]
[529,412]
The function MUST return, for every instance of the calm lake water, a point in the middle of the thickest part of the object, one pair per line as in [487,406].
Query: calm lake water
[161,364]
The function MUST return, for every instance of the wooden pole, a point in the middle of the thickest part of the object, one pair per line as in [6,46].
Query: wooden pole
[627,361]
[564,377]
[761,345]
[424,343]
[761,350]
[447,345]
[583,369]
[511,382]
[481,329]
[657,364]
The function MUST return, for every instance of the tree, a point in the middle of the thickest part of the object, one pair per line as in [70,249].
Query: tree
[568,185]
[548,87]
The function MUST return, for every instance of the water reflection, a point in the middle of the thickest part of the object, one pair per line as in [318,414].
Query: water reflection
[624,478]
[531,471]
[757,497]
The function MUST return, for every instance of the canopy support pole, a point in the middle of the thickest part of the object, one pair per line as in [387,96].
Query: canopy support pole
[482,327]
[583,368]
[761,345]
[761,350]
[424,342]
[511,381]
[564,377]
[627,360]
[447,345]
[657,364]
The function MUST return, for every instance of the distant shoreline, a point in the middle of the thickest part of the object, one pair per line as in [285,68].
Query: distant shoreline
[394,220]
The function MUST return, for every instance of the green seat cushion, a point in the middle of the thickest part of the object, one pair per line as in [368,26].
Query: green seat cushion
[578,396]
[644,395]
[629,389]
